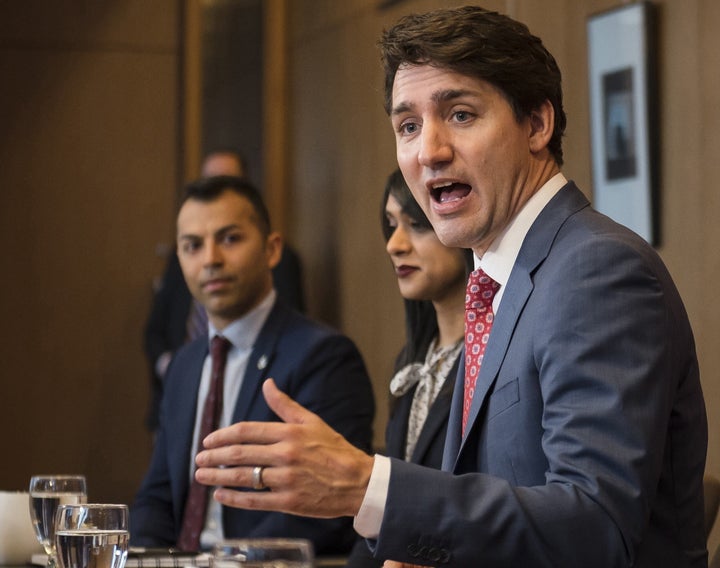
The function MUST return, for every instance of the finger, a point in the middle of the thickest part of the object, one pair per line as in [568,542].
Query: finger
[254,500]
[236,455]
[285,407]
[230,477]
[246,433]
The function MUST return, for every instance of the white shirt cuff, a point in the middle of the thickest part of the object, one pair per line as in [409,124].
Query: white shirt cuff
[369,518]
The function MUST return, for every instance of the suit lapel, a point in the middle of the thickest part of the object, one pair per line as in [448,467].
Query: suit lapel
[452,438]
[260,361]
[179,433]
[398,426]
[184,406]
[437,415]
[533,252]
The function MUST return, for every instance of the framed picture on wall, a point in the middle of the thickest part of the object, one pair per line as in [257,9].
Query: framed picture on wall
[623,116]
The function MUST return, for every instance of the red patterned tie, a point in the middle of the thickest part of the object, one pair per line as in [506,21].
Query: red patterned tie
[196,504]
[481,290]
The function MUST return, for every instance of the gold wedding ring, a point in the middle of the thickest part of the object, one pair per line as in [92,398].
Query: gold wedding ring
[257,481]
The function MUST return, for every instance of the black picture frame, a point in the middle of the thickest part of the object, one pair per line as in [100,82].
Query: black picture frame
[623,116]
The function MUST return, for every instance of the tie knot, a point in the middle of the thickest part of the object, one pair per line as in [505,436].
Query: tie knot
[219,347]
[481,290]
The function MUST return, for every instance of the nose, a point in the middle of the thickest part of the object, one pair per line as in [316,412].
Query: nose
[212,255]
[399,242]
[435,147]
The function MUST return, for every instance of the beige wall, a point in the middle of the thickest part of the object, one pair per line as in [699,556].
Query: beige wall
[88,170]
[343,149]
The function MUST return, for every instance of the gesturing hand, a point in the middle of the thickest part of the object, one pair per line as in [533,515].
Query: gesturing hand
[309,468]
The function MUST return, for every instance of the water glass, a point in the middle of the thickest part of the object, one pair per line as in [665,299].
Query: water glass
[263,553]
[47,493]
[92,535]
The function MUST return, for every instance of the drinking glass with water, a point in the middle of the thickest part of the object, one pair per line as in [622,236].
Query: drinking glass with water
[47,493]
[92,536]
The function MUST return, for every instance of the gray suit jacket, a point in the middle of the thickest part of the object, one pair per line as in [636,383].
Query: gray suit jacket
[587,436]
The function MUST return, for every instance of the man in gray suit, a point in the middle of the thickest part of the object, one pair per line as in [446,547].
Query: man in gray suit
[585,435]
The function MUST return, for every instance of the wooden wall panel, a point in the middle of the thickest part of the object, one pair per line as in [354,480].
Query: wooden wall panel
[706,266]
[89,150]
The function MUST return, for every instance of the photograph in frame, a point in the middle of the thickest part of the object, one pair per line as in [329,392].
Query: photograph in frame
[623,122]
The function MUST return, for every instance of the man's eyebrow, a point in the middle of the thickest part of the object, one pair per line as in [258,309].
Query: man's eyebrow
[222,231]
[218,233]
[401,108]
[450,95]
[437,97]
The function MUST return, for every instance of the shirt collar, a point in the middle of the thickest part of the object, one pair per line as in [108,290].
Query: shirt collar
[243,332]
[499,258]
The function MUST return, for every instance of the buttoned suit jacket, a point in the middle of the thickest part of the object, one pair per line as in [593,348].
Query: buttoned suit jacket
[316,366]
[428,449]
[587,433]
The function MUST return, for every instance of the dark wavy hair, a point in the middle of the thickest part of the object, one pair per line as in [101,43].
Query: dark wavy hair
[209,189]
[420,318]
[482,44]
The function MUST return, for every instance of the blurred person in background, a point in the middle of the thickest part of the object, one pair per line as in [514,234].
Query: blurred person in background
[431,278]
[175,318]
[227,251]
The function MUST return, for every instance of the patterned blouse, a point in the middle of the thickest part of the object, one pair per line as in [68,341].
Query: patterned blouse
[429,378]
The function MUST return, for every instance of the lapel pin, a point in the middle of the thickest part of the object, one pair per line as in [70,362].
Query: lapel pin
[262,362]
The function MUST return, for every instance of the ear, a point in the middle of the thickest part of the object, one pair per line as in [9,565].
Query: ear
[542,126]
[273,249]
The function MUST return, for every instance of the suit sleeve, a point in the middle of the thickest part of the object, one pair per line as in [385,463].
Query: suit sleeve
[603,356]
[152,520]
[156,512]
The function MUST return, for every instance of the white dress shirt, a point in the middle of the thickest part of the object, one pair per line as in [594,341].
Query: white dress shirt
[242,334]
[497,262]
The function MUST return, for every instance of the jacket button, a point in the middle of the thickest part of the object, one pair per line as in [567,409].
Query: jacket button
[412,550]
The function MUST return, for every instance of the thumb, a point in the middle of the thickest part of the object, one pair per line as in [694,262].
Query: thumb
[284,406]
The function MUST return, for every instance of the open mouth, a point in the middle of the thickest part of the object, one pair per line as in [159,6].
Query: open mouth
[449,192]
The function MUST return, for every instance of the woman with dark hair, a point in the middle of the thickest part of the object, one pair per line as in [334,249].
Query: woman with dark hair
[432,280]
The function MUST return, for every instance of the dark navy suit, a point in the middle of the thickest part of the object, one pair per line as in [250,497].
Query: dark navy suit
[316,366]
[587,434]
